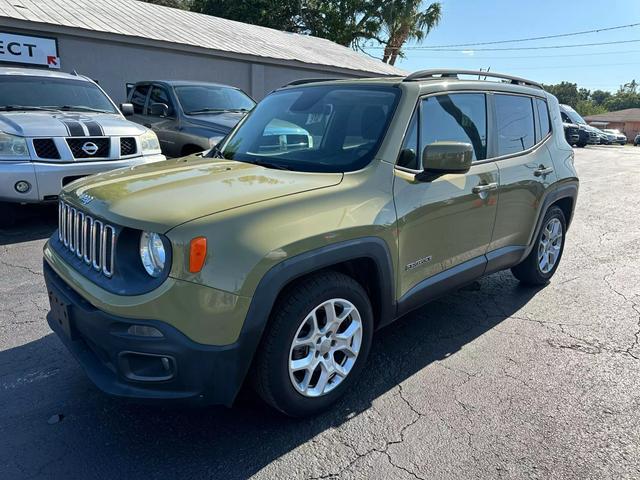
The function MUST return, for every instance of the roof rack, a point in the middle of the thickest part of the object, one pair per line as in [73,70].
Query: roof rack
[439,74]
[302,81]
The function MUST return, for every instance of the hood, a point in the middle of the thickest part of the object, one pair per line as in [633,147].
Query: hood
[162,195]
[223,121]
[64,124]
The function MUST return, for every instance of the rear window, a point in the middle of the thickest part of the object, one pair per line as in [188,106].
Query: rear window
[139,97]
[543,116]
[515,124]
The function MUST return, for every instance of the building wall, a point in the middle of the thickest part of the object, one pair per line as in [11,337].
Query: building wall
[113,64]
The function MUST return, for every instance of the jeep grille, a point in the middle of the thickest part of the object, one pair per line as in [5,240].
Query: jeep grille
[88,238]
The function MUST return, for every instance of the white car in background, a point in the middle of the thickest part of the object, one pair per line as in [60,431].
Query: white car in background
[56,128]
[619,137]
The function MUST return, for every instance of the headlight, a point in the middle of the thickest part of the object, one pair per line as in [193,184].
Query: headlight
[149,143]
[152,253]
[12,147]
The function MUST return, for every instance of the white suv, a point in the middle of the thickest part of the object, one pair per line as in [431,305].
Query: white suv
[58,127]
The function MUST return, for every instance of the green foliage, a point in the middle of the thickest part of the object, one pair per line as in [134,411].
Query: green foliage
[181,4]
[278,14]
[351,23]
[404,20]
[587,102]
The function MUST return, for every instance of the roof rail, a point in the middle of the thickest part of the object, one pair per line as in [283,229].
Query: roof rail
[438,74]
[302,81]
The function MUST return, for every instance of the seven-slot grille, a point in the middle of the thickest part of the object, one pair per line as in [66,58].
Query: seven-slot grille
[88,238]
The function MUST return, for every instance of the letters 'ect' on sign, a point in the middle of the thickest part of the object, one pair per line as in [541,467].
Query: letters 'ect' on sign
[29,50]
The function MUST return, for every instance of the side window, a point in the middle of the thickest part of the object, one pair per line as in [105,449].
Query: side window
[160,95]
[409,152]
[543,116]
[138,98]
[565,117]
[515,124]
[458,117]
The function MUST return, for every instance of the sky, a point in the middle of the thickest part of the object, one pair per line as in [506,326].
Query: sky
[603,67]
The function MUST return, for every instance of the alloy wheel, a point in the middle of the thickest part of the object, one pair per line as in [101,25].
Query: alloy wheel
[325,347]
[550,245]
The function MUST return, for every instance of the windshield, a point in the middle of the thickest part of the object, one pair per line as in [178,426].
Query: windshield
[330,128]
[212,98]
[573,115]
[51,93]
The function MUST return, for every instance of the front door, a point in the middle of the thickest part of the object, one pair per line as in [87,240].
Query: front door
[164,125]
[447,222]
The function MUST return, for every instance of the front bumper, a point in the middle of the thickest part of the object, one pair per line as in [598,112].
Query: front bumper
[168,368]
[47,179]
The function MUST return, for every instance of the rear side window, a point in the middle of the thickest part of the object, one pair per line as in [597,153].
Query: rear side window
[543,117]
[458,117]
[515,123]
[139,97]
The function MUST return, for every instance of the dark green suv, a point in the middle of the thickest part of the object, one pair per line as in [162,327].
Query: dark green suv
[275,261]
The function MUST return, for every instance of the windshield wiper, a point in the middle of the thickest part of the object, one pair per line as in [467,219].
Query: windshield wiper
[263,163]
[11,108]
[216,110]
[81,108]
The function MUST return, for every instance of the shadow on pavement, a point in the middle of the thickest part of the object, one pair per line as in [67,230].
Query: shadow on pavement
[31,222]
[105,437]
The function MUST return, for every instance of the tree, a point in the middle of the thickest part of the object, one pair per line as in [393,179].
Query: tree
[347,22]
[599,97]
[565,92]
[181,4]
[277,14]
[403,20]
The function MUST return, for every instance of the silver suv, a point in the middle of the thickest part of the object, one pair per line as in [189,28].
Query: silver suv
[58,127]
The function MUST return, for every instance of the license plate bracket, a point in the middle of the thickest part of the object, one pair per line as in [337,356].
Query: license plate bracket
[61,315]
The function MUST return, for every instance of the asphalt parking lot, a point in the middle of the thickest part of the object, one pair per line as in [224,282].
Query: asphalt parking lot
[493,381]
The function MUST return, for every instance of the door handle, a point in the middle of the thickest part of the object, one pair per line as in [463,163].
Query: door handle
[484,187]
[542,170]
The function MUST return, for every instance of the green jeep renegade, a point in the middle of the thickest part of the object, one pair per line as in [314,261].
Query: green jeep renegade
[331,210]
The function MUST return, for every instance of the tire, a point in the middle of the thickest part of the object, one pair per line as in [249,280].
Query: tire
[274,376]
[581,145]
[530,271]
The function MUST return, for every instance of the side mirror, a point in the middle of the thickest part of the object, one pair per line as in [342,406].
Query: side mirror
[159,109]
[441,158]
[126,109]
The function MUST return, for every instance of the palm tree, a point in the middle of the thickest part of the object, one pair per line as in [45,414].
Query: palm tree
[403,20]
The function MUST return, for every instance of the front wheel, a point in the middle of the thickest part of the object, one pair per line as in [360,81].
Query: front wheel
[543,260]
[316,344]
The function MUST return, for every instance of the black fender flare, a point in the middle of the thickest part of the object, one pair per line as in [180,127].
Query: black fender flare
[290,269]
[565,190]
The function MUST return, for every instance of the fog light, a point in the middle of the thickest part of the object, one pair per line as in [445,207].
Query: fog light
[144,331]
[22,186]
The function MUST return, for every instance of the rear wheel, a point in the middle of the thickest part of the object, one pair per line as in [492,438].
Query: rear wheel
[543,260]
[316,345]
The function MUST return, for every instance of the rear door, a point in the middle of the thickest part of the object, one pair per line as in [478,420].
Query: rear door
[446,222]
[526,170]
[138,98]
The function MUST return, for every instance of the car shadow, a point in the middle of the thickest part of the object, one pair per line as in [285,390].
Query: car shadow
[96,433]
[30,222]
